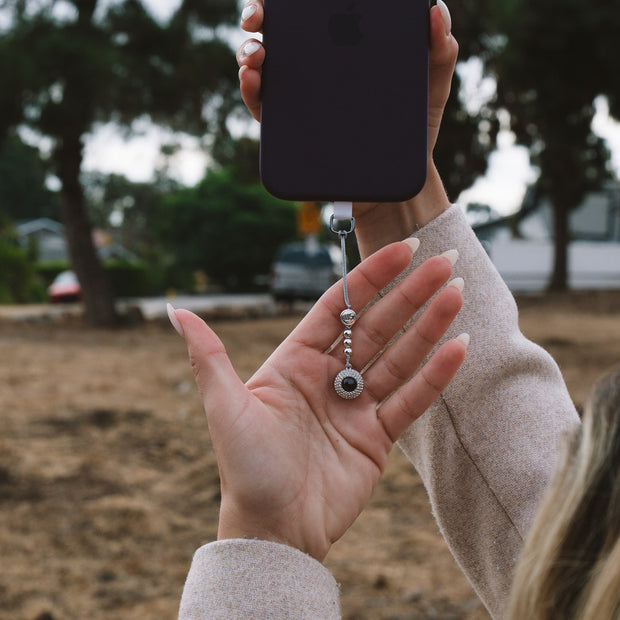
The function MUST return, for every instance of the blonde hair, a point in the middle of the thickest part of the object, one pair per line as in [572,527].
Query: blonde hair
[570,564]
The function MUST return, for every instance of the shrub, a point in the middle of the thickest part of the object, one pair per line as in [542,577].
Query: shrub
[18,277]
[128,279]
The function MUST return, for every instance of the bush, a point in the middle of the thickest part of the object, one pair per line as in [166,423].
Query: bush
[47,271]
[18,278]
[128,279]
[225,229]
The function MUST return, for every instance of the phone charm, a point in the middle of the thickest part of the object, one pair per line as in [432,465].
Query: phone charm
[348,382]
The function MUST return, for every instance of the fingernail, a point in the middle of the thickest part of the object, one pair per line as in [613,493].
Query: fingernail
[173,319]
[445,15]
[242,68]
[248,11]
[464,338]
[457,283]
[413,243]
[452,256]
[251,47]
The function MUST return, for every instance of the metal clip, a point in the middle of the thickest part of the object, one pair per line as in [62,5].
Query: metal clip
[339,231]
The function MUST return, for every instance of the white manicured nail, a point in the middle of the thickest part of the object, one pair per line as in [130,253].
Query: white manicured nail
[413,243]
[251,47]
[452,256]
[445,15]
[464,338]
[457,283]
[248,11]
[242,68]
[173,319]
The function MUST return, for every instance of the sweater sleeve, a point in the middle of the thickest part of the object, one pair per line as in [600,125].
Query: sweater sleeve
[487,447]
[243,579]
[485,451]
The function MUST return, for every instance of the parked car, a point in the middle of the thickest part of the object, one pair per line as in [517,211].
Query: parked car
[304,271]
[65,287]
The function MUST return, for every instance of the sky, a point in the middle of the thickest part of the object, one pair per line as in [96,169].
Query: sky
[502,187]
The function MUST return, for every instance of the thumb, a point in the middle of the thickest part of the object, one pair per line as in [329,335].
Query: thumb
[442,60]
[215,376]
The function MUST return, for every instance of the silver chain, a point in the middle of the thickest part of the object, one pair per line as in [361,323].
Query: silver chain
[342,234]
[343,237]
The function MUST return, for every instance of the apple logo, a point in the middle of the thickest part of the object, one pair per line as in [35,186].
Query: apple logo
[344,28]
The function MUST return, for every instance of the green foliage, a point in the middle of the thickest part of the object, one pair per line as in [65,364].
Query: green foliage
[230,231]
[127,208]
[48,270]
[62,72]
[551,59]
[128,279]
[23,194]
[114,64]
[18,280]
[241,157]
[556,58]
[467,138]
[464,145]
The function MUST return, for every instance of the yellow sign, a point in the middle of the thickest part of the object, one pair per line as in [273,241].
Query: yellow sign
[309,218]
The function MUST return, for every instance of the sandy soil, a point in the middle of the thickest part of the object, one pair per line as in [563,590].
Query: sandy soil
[108,482]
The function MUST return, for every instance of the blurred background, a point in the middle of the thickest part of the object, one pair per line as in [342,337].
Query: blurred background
[129,177]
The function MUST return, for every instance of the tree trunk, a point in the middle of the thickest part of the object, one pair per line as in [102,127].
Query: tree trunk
[561,239]
[96,292]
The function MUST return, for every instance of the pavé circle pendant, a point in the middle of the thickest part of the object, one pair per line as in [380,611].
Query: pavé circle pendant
[348,383]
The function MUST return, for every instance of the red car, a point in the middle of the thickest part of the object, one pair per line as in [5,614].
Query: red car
[65,287]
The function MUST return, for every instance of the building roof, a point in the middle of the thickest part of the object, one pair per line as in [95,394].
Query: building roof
[40,224]
[53,246]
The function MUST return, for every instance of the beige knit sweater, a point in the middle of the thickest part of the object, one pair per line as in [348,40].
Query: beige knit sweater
[485,451]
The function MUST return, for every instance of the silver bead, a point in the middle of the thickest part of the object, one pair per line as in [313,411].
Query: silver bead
[347,333]
[348,316]
[348,351]
[347,342]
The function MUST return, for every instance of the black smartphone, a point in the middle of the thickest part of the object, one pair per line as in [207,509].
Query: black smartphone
[345,99]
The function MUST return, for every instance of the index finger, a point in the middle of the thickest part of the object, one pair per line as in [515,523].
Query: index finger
[252,16]
[322,325]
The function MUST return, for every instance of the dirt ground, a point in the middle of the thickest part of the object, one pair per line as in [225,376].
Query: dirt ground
[108,483]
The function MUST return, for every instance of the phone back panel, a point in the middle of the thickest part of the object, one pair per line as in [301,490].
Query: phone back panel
[345,99]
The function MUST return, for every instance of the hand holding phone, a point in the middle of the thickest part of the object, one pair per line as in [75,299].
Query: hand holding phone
[377,223]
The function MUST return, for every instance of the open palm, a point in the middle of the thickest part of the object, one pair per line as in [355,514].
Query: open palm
[297,462]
